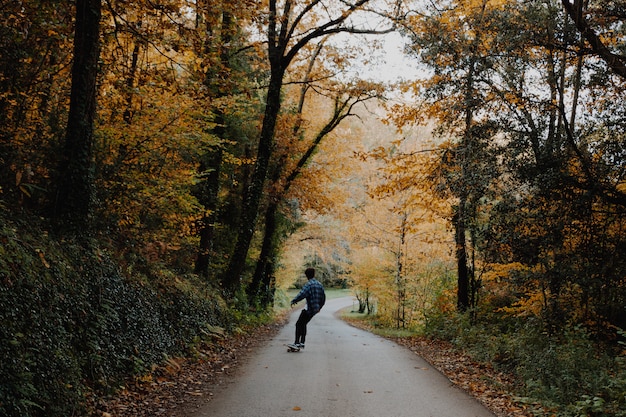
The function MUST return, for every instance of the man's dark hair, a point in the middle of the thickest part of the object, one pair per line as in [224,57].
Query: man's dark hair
[309,272]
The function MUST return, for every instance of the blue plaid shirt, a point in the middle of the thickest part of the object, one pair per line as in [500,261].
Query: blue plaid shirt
[313,291]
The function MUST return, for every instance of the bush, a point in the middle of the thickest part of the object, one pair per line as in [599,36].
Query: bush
[71,323]
[572,374]
[568,373]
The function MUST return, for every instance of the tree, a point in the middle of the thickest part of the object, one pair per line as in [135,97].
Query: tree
[73,201]
[612,16]
[455,98]
[344,103]
[149,134]
[216,50]
[537,146]
[288,31]
[35,74]
[397,239]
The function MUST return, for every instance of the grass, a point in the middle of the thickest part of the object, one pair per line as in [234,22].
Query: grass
[369,322]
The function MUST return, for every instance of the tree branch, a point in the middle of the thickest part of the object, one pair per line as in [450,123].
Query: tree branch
[616,62]
[331,27]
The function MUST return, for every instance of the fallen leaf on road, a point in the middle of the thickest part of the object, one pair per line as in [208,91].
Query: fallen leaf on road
[296,408]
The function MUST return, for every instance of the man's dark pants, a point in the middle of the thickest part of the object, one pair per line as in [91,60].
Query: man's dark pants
[304,318]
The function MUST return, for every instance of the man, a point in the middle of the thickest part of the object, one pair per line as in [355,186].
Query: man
[315,296]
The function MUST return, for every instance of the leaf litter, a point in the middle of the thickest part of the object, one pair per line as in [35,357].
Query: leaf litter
[180,386]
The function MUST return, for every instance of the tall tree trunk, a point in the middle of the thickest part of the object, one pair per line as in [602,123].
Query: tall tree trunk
[461,216]
[209,198]
[130,82]
[400,281]
[73,203]
[264,272]
[261,287]
[217,39]
[463,299]
[464,155]
[232,278]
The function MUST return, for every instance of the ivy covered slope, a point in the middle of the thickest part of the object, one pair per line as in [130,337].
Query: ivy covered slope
[72,323]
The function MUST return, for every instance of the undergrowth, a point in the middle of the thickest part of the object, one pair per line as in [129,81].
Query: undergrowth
[72,324]
[564,373]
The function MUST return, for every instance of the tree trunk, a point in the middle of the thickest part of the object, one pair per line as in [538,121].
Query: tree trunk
[232,278]
[264,272]
[73,203]
[461,257]
[400,281]
[217,39]
[130,83]
[260,288]
[210,200]
[465,154]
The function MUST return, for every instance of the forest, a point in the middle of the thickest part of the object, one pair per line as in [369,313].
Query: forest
[169,168]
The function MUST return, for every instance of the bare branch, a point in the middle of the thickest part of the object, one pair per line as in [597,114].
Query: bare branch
[332,27]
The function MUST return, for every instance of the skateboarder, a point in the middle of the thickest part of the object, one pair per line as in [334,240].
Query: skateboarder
[315,296]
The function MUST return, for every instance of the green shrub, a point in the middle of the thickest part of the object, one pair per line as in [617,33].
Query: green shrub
[568,372]
[70,322]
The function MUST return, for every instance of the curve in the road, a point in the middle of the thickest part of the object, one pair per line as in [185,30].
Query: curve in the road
[343,372]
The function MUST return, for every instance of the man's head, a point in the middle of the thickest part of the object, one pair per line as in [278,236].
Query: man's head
[310,273]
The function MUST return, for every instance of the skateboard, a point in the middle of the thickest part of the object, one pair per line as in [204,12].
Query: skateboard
[292,349]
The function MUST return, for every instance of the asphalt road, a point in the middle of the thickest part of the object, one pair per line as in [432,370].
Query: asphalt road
[343,372]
